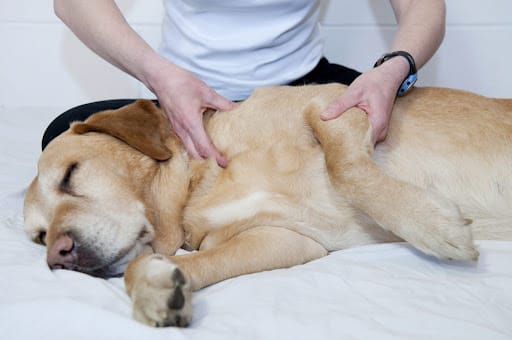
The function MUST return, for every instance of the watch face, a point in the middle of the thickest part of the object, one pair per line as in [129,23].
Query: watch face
[407,84]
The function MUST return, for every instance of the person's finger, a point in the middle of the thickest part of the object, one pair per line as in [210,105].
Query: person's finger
[379,125]
[216,101]
[339,106]
[195,139]
[205,147]
[221,159]
[382,135]
[200,150]
[185,138]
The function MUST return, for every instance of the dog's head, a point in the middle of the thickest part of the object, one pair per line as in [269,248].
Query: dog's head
[94,202]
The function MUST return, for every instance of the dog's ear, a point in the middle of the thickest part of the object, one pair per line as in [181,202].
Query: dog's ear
[141,125]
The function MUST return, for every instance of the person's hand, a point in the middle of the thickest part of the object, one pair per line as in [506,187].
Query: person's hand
[374,92]
[184,98]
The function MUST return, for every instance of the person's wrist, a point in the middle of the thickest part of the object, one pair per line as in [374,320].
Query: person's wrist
[154,67]
[412,75]
[395,69]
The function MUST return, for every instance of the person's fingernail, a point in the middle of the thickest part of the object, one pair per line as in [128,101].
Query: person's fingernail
[222,161]
[326,115]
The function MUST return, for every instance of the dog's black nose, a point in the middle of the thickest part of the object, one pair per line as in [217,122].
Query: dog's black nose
[62,253]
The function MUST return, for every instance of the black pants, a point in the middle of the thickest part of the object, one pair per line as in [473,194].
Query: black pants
[323,73]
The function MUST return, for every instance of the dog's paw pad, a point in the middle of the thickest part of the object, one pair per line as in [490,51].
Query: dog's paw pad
[162,297]
[177,300]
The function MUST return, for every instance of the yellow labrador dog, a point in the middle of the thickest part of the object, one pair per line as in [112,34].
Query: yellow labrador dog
[118,194]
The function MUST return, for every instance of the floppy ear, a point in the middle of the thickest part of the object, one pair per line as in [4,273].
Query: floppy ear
[141,125]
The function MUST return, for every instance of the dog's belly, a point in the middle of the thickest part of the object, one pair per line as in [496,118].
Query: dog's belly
[480,186]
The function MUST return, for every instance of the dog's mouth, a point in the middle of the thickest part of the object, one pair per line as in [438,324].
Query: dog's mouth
[88,262]
[104,273]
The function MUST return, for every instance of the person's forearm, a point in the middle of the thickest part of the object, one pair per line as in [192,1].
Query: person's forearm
[100,25]
[421,27]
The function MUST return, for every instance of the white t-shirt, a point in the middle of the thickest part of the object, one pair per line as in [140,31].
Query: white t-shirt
[238,45]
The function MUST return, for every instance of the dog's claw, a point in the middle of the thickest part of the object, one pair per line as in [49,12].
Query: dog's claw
[444,233]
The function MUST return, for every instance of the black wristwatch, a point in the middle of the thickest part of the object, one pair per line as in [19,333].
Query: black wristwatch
[410,79]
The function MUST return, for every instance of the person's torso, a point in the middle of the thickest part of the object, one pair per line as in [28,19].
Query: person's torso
[238,45]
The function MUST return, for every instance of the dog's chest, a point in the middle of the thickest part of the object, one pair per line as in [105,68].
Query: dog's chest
[293,194]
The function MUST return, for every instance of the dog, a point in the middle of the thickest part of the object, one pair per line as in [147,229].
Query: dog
[117,194]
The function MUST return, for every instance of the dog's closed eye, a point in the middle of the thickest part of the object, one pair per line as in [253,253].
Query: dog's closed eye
[41,237]
[65,184]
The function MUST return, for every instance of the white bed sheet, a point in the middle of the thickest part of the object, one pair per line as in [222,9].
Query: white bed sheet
[385,291]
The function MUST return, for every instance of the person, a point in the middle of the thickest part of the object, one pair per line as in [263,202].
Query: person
[216,52]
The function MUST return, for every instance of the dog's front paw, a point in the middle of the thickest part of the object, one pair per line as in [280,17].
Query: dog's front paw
[443,232]
[162,295]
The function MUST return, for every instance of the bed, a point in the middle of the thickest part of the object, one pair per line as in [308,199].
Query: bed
[387,291]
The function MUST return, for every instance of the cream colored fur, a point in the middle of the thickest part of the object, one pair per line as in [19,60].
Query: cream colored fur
[295,189]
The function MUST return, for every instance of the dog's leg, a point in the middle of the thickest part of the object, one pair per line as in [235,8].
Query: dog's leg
[425,219]
[161,287]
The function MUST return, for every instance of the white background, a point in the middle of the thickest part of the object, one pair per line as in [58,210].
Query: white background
[43,64]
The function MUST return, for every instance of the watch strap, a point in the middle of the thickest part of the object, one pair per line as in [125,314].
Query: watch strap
[410,79]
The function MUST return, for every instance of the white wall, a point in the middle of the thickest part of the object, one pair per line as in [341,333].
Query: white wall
[476,53]
[43,64]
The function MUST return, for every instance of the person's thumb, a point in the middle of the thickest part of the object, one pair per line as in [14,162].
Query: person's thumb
[220,103]
[339,106]
[379,126]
